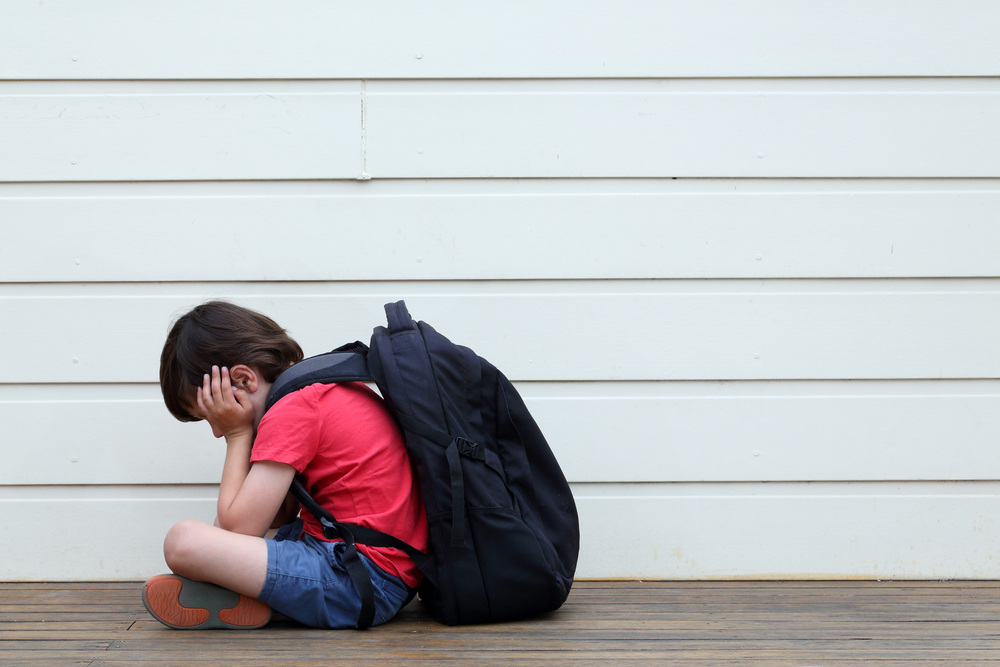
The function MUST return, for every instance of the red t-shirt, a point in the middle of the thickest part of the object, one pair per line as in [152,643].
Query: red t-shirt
[351,457]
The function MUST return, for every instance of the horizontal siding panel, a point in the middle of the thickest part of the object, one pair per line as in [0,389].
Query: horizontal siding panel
[501,230]
[310,130]
[111,534]
[143,132]
[600,432]
[684,531]
[778,431]
[106,442]
[776,531]
[703,330]
[692,129]
[639,38]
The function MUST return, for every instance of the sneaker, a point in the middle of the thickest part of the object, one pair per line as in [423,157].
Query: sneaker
[185,604]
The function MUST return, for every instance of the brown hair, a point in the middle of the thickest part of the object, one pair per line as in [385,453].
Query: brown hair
[222,334]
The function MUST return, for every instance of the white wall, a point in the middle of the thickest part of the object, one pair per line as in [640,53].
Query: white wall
[740,258]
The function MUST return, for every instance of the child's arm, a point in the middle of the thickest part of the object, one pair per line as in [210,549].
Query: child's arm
[288,512]
[249,496]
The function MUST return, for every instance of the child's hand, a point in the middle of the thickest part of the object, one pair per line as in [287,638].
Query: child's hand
[225,407]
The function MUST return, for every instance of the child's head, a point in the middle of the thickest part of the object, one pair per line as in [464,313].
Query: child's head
[221,334]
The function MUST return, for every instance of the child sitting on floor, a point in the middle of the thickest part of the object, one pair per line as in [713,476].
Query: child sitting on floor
[218,364]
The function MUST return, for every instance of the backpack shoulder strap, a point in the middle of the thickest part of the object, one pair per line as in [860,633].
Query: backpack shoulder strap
[345,364]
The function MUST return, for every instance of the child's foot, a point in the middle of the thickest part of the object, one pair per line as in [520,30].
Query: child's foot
[185,604]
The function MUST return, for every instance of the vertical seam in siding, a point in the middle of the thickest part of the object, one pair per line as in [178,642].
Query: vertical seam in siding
[364,145]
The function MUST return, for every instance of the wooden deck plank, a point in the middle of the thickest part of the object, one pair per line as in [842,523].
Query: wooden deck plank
[691,648]
[694,624]
[618,659]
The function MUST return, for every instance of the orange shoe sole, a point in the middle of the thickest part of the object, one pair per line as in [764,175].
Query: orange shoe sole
[185,604]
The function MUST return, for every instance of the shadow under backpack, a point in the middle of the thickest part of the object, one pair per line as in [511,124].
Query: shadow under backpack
[503,532]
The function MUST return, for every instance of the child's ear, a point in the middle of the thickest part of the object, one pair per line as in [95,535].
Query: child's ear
[243,377]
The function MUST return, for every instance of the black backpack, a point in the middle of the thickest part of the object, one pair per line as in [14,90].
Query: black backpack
[503,529]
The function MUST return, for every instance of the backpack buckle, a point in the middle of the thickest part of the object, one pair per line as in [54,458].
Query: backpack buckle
[330,531]
[470,449]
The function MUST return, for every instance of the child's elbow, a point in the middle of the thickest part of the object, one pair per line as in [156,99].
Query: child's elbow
[241,525]
[229,523]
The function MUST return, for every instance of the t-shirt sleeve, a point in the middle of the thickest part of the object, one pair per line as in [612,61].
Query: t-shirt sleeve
[289,432]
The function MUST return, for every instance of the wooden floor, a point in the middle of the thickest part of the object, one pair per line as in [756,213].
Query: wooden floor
[603,623]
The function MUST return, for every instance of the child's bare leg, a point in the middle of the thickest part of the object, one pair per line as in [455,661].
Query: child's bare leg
[202,552]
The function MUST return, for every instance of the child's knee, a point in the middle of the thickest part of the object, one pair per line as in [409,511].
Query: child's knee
[180,543]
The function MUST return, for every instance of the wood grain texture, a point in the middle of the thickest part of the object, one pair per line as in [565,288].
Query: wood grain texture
[111,39]
[625,623]
[500,230]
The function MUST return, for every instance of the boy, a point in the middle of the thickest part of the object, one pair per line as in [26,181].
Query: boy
[218,364]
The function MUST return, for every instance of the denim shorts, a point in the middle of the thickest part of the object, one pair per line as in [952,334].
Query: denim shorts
[307,581]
